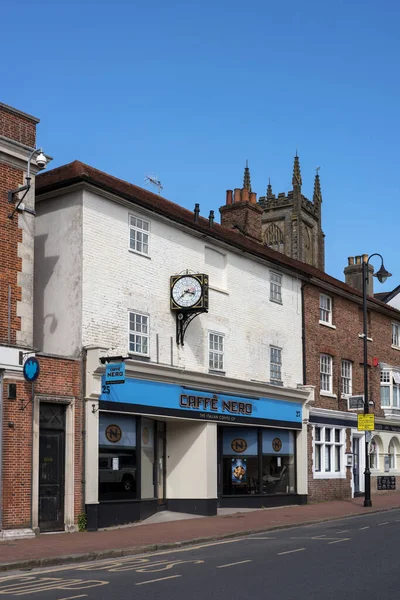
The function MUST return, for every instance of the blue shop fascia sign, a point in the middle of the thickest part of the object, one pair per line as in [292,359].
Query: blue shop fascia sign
[166,399]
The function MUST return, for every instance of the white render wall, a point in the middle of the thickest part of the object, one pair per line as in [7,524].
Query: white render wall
[116,280]
[58,275]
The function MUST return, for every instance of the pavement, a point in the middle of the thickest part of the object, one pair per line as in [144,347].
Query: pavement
[64,548]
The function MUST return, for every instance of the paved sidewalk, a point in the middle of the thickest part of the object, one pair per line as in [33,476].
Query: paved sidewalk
[71,547]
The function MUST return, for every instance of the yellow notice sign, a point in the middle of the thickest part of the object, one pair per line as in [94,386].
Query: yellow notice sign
[366,422]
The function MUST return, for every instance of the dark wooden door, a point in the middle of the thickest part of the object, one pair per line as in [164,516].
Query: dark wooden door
[51,467]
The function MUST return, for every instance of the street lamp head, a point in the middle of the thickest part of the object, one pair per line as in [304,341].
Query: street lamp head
[382,274]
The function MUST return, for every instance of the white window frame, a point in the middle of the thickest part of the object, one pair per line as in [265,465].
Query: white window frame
[275,364]
[374,455]
[388,381]
[138,333]
[392,457]
[216,356]
[396,335]
[325,374]
[139,231]
[346,377]
[325,309]
[275,287]
[327,449]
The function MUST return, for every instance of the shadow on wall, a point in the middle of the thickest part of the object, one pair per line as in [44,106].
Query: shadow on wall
[44,268]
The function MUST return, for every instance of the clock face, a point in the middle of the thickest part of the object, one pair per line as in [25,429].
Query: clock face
[186,291]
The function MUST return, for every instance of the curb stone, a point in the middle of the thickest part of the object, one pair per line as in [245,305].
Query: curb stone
[36,563]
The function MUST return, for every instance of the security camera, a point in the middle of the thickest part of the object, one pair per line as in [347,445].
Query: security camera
[41,161]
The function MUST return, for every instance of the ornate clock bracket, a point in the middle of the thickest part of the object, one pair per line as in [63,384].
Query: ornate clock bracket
[182,321]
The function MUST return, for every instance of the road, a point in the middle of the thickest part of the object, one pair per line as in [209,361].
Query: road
[352,559]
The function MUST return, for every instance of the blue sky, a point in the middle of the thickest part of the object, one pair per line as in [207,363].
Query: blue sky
[190,90]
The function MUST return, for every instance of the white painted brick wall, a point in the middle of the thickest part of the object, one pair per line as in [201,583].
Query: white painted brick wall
[116,280]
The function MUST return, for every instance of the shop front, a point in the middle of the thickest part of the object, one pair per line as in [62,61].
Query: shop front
[154,445]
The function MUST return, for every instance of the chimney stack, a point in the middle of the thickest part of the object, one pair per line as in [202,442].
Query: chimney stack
[353,273]
[242,213]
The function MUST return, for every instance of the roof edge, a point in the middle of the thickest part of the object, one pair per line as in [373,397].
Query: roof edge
[20,113]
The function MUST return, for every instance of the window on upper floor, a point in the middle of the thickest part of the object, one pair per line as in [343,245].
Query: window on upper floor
[326,373]
[396,335]
[275,369]
[139,333]
[215,351]
[390,388]
[325,309]
[329,451]
[347,377]
[139,235]
[275,287]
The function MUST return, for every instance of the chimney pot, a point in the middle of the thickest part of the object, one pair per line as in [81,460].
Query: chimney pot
[229,196]
[196,212]
[351,260]
[365,258]
[253,198]
[245,195]
[236,195]
[358,260]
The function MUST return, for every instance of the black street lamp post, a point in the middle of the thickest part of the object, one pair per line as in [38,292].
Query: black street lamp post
[381,275]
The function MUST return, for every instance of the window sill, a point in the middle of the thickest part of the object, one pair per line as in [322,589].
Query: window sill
[318,475]
[139,253]
[216,372]
[278,383]
[143,357]
[325,324]
[276,301]
[327,394]
[219,290]
[395,347]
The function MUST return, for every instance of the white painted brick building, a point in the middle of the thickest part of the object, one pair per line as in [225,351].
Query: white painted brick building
[89,280]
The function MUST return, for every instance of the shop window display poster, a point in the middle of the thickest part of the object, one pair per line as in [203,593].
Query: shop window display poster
[239,471]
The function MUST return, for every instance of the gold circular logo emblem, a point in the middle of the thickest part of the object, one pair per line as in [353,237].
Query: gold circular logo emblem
[277,444]
[239,445]
[113,433]
[145,435]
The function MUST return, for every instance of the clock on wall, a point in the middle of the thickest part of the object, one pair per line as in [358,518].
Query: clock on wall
[189,298]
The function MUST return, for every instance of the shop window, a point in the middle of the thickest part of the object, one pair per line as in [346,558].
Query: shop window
[278,461]
[393,451]
[240,461]
[117,457]
[328,452]
[374,453]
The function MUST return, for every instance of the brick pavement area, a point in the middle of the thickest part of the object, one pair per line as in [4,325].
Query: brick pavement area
[68,547]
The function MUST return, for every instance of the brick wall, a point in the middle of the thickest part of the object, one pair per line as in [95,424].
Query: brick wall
[17,126]
[58,377]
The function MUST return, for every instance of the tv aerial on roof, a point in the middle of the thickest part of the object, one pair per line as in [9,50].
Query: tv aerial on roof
[152,179]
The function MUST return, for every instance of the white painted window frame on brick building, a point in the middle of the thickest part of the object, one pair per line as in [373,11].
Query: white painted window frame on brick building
[216,355]
[275,291]
[390,388]
[329,444]
[396,335]
[325,369]
[346,377]
[141,235]
[326,311]
[138,333]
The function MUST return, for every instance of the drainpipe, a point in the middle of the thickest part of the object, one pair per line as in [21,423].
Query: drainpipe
[303,335]
[83,408]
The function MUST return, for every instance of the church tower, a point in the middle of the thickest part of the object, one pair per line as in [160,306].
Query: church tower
[291,223]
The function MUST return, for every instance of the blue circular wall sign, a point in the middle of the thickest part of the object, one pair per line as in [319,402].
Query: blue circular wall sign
[31,369]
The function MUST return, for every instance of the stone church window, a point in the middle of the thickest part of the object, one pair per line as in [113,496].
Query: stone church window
[274,238]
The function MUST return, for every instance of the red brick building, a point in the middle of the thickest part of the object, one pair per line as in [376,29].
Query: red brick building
[333,362]
[41,422]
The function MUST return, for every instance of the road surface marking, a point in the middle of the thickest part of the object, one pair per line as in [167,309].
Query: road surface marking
[343,531]
[234,564]
[291,551]
[73,597]
[385,523]
[260,538]
[338,541]
[367,527]
[160,579]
